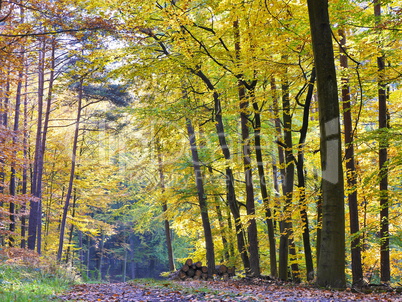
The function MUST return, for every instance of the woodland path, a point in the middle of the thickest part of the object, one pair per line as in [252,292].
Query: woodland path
[215,291]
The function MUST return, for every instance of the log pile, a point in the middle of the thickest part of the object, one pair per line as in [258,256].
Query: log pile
[196,271]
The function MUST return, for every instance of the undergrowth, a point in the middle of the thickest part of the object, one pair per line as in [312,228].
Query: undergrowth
[24,276]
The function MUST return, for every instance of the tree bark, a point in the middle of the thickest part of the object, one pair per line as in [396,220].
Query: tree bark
[72,173]
[331,267]
[264,191]
[383,121]
[165,209]
[209,244]
[351,177]
[13,170]
[231,194]
[248,176]
[301,181]
[36,186]
[288,183]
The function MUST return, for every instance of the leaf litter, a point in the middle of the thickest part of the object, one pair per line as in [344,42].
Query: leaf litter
[217,291]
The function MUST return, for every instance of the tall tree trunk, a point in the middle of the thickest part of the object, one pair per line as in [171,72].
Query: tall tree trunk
[264,191]
[43,140]
[15,141]
[36,187]
[383,122]
[351,177]
[331,267]
[165,209]
[24,189]
[288,183]
[283,242]
[248,176]
[209,243]
[231,194]
[72,173]
[301,181]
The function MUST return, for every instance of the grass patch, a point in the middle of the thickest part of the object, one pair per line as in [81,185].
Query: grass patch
[25,277]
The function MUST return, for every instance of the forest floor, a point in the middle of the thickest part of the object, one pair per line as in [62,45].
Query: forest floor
[218,291]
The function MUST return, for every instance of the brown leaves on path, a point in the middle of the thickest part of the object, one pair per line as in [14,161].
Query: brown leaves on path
[215,291]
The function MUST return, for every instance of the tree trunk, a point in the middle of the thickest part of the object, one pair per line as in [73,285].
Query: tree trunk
[225,243]
[302,182]
[43,140]
[288,183]
[231,194]
[209,244]
[248,176]
[100,257]
[36,186]
[351,177]
[70,236]
[24,189]
[165,209]
[264,191]
[72,174]
[13,171]
[383,122]
[331,267]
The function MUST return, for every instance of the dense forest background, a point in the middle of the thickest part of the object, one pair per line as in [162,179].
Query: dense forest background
[136,134]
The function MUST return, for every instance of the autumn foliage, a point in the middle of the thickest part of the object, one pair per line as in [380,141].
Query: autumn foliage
[137,134]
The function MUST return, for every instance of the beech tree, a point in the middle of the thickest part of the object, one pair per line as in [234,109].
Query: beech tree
[331,267]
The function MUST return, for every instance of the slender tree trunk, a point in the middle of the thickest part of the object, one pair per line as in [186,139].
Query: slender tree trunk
[231,194]
[13,170]
[225,243]
[43,140]
[331,267]
[351,178]
[383,121]
[100,257]
[34,214]
[288,183]
[264,191]
[72,174]
[209,244]
[165,209]
[302,181]
[25,169]
[248,176]
[70,236]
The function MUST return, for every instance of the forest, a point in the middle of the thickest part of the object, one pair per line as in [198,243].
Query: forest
[262,135]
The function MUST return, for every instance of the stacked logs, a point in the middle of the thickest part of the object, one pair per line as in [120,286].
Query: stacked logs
[196,271]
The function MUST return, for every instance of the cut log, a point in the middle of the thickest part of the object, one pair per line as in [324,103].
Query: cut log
[182,275]
[221,269]
[189,262]
[191,273]
[196,271]
[198,264]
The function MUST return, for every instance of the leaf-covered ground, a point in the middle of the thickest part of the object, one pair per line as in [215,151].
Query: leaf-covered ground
[216,291]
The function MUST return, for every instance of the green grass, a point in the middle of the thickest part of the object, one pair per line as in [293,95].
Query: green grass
[22,283]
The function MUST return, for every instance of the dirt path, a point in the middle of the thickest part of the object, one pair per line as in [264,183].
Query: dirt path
[214,291]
